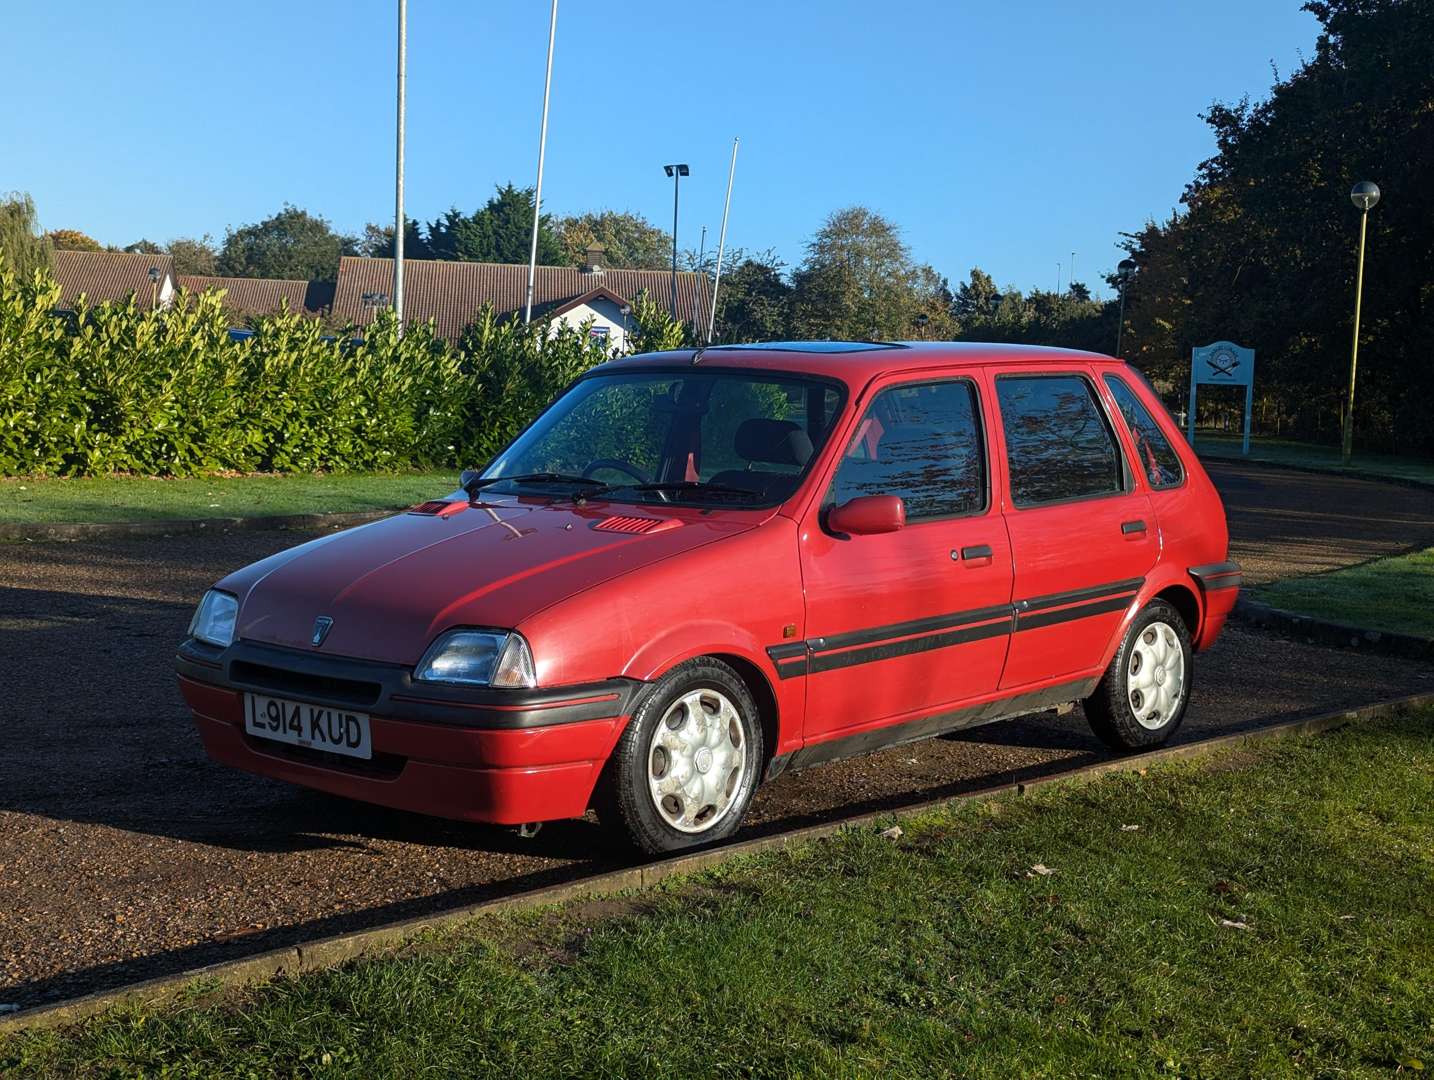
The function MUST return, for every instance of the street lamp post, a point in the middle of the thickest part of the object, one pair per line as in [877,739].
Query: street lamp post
[399,220]
[1364,195]
[153,287]
[542,150]
[677,172]
[1123,270]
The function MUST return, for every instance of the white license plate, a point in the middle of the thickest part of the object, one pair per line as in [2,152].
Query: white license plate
[315,727]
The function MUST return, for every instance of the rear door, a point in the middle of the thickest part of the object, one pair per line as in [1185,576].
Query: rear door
[903,623]
[1082,532]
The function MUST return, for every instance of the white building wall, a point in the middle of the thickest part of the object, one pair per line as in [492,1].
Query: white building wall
[604,315]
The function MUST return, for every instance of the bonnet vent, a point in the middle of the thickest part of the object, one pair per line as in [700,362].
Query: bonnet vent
[438,508]
[621,524]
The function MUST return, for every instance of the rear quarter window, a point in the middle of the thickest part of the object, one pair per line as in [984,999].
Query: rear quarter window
[1059,445]
[1153,451]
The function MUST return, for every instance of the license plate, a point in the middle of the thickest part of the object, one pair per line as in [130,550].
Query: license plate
[315,727]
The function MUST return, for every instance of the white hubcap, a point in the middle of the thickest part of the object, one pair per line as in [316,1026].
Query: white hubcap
[695,761]
[1155,679]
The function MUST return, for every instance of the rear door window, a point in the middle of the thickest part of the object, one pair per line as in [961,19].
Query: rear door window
[923,443]
[1059,445]
[1152,449]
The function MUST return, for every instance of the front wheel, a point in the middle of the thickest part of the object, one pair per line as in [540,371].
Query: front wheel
[686,766]
[1141,700]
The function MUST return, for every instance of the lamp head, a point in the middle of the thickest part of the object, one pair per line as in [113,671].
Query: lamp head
[1364,195]
[154,274]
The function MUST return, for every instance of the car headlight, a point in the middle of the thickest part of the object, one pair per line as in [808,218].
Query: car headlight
[478,658]
[214,618]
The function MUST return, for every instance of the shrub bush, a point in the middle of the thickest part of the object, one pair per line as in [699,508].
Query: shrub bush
[118,389]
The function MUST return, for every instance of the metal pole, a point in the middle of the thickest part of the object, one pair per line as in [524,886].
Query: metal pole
[1058,279]
[542,147]
[1072,269]
[676,182]
[722,243]
[1120,327]
[398,218]
[702,248]
[1348,448]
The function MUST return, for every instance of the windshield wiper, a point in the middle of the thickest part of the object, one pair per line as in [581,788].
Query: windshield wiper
[533,478]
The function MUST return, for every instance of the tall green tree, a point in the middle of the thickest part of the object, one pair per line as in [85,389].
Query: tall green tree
[377,241]
[500,231]
[291,244]
[24,248]
[857,281]
[194,256]
[630,240]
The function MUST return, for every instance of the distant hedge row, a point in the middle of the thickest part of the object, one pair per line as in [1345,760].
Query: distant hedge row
[168,392]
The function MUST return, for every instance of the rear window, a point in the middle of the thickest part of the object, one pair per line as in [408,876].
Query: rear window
[1058,443]
[1152,449]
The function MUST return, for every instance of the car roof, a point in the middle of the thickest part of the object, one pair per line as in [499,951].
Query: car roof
[854,362]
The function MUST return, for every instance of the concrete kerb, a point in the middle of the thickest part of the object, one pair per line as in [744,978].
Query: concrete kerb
[1337,634]
[330,952]
[119,530]
[1322,470]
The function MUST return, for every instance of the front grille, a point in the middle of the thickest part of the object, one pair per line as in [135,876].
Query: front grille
[298,684]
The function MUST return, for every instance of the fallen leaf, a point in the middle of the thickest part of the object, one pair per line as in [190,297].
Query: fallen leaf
[1232,925]
[1130,828]
[893,833]
[1041,869]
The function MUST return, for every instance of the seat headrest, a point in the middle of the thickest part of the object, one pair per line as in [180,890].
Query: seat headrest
[772,442]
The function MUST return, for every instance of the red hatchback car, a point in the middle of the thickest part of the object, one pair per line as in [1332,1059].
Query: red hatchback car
[699,569]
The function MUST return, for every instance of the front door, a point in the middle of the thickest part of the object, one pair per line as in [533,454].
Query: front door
[901,624]
[1082,535]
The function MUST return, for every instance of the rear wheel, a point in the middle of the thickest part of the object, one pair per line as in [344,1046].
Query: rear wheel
[1141,700]
[686,767]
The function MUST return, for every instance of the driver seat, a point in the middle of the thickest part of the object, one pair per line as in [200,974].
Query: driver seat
[760,441]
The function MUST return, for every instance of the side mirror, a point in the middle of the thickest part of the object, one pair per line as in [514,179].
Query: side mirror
[868,515]
[467,477]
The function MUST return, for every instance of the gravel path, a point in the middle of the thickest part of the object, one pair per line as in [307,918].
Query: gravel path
[124,853]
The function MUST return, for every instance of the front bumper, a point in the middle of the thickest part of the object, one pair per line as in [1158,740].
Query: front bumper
[474,754]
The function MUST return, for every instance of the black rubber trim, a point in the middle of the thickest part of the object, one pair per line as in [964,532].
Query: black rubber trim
[1036,603]
[330,680]
[1069,614]
[1220,575]
[835,651]
[928,726]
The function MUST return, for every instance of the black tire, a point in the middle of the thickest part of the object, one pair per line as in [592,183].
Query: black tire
[1110,709]
[625,800]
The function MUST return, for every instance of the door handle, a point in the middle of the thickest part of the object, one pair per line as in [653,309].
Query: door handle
[978,551]
[1131,527]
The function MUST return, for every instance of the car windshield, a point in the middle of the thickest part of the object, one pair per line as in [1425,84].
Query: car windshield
[712,437]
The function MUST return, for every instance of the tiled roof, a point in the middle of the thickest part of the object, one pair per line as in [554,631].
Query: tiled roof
[107,275]
[452,292]
[251,296]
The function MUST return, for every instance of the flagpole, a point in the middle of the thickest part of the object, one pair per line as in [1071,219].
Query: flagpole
[722,243]
[542,147]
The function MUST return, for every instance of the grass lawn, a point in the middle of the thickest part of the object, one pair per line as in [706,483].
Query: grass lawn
[1313,455]
[1266,913]
[1395,594]
[138,498]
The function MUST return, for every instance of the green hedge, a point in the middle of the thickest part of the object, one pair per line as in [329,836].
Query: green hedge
[168,392]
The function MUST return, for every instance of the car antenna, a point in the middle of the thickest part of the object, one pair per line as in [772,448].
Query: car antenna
[698,354]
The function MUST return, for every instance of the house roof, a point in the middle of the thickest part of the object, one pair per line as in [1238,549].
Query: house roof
[254,296]
[107,275]
[451,293]
[602,292]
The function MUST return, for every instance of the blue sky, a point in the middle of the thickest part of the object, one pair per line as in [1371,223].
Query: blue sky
[1000,135]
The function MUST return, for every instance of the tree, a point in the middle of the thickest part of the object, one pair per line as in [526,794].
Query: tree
[630,240]
[73,240]
[23,247]
[193,256]
[753,301]
[500,231]
[291,244]
[143,247]
[377,241]
[858,281]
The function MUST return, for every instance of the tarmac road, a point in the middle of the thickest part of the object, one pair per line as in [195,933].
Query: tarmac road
[125,854]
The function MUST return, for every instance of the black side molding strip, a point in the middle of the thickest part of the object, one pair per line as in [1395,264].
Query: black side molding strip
[1220,575]
[835,651]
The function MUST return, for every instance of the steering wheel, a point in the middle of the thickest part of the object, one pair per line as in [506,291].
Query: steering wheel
[598,464]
